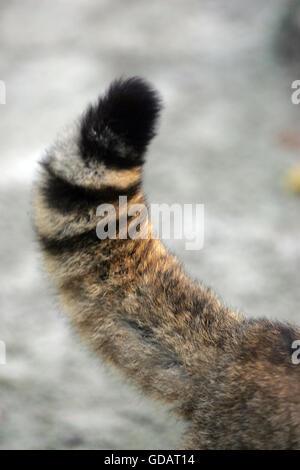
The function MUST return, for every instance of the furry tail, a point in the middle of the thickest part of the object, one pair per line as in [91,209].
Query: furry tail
[119,127]
[127,297]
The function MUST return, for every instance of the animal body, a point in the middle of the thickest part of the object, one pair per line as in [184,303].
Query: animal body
[231,379]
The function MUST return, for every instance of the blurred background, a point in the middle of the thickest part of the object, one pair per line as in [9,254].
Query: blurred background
[229,138]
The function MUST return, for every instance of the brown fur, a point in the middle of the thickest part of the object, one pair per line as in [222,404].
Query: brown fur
[231,379]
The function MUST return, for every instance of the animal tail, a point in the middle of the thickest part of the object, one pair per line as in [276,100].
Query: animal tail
[127,297]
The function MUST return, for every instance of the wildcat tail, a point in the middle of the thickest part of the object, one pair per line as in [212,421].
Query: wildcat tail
[128,298]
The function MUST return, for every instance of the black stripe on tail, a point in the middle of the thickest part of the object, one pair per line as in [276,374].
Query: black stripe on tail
[68,198]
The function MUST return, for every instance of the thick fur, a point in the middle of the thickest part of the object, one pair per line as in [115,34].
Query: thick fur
[231,379]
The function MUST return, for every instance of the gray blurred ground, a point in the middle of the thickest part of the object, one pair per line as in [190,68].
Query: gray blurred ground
[227,101]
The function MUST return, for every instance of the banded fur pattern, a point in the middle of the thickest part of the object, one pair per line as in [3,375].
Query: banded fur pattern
[231,379]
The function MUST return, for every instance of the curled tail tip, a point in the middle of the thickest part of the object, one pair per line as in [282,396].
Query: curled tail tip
[119,127]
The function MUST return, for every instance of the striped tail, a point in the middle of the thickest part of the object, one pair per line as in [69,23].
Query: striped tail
[127,297]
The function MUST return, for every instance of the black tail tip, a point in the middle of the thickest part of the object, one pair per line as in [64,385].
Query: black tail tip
[122,123]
